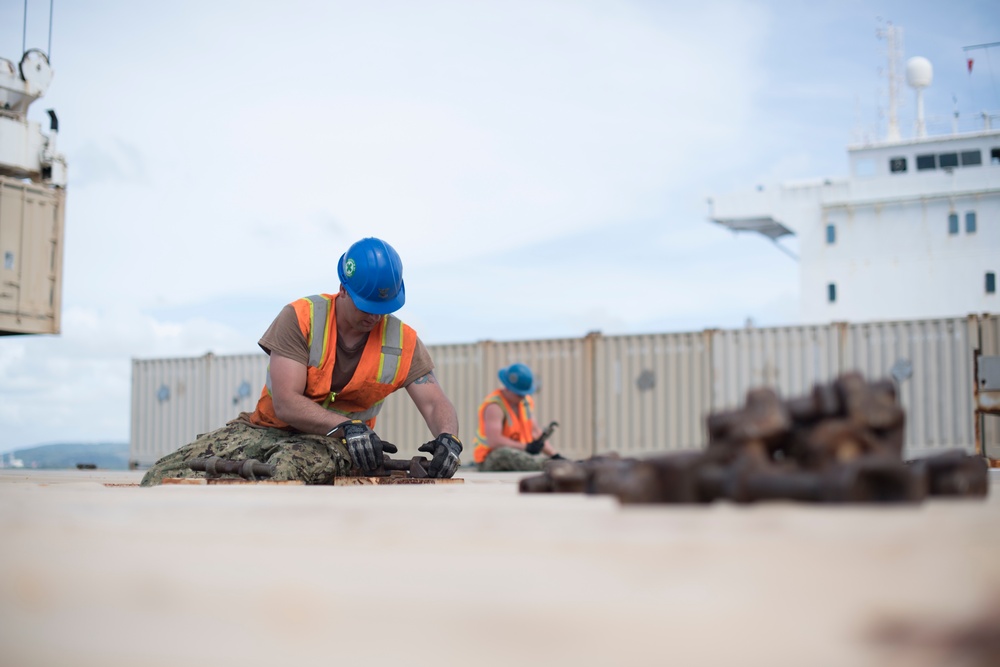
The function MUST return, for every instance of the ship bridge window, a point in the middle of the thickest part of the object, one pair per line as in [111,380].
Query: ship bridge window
[991,282]
[897,165]
[995,156]
[971,158]
[926,162]
[831,234]
[948,160]
[831,293]
[953,223]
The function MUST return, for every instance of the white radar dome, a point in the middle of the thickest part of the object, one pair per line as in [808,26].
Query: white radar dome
[919,72]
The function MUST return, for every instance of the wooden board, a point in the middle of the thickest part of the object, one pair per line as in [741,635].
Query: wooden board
[338,481]
[226,480]
[376,481]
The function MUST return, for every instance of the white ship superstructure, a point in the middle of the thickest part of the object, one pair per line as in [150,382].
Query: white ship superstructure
[912,232]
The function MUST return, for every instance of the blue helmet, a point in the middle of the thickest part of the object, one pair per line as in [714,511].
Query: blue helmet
[372,274]
[518,378]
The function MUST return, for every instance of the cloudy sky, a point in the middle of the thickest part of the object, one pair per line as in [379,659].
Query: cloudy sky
[542,167]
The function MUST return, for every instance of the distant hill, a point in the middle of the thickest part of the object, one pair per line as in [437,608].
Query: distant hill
[104,455]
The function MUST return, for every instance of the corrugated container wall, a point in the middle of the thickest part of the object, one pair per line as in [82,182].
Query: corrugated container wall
[169,406]
[633,395]
[31,257]
[989,343]
[458,369]
[651,392]
[938,396]
[175,400]
[789,359]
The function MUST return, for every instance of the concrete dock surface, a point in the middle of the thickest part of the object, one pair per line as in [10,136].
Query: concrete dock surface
[94,571]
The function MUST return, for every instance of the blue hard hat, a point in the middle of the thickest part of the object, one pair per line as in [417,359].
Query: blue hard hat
[518,378]
[372,274]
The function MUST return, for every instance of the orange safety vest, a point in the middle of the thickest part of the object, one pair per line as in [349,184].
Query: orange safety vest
[384,365]
[518,421]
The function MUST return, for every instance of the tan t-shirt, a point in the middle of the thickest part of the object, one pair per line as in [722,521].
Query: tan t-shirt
[285,338]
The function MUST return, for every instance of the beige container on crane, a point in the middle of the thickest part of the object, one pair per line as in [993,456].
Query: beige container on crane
[32,203]
[31,257]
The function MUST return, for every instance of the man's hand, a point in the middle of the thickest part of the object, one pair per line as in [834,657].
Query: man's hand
[363,445]
[444,451]
[535,445]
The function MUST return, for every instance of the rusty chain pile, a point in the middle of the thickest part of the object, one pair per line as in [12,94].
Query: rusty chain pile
[841,443]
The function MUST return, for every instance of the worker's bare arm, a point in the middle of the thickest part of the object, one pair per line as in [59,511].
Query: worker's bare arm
[493,428]
[291,405]
[436,409]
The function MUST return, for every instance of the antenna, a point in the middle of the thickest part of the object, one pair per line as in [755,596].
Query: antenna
[968,56]
[894,52]
[919,74]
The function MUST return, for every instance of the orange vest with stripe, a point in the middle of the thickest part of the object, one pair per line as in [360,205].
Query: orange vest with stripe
[518,421]
[384,365]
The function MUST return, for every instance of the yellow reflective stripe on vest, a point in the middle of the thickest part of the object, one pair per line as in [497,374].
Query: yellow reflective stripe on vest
[319,312]
[507,416]
[392,350]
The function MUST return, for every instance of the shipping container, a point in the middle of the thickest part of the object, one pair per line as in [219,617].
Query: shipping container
[634,395]
[176,400]
[651,392]
[31,257]
[938,396]
[989,423]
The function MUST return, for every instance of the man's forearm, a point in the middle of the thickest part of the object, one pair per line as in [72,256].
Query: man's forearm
[442,418]
[306,415]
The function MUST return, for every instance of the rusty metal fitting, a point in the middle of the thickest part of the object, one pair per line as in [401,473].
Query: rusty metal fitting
[864,480]
[953,473]
[250,469]
[535,484]
[415,467]
[872,405]
[830,442]
[675,478]
[765,417]
[604,475]
[872,479]
[567,477]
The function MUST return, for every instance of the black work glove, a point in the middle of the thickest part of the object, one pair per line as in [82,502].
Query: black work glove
[363,445]
[557,457]
[444,451]
[534,446]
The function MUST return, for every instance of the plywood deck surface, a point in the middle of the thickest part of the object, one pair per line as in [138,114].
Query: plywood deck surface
[96,572]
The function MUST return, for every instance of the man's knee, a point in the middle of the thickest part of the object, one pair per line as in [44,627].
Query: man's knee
[310,460]
[226,442]
[507,459]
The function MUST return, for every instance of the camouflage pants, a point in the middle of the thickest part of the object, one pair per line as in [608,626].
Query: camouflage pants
[313,459]
[508,459]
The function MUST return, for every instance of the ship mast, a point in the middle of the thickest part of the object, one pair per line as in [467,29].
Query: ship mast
[894,54]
